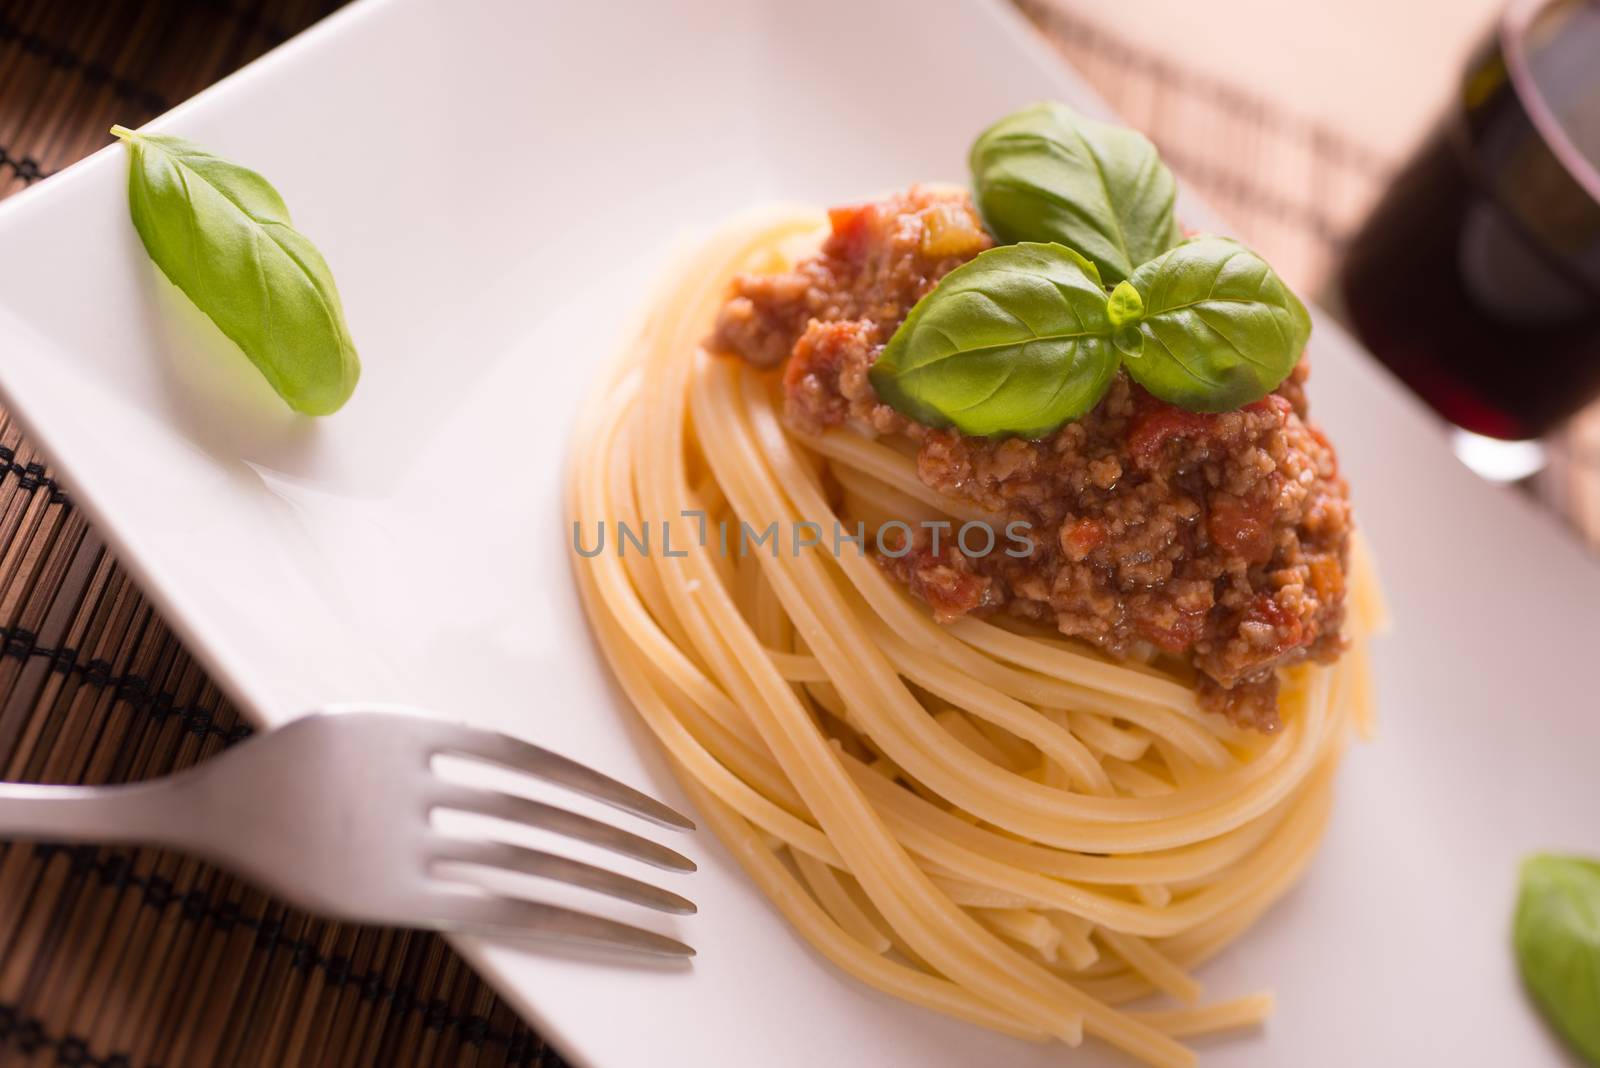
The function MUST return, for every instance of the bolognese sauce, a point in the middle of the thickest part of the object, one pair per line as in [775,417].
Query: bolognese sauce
[1220,539]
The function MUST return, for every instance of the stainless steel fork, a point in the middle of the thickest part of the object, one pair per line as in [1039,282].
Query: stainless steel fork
[333,812]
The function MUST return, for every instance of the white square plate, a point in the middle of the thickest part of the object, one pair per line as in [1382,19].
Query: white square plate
[494,183]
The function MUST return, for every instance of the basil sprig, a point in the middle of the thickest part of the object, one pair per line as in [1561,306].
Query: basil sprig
[221,233]
[1557,938]
[1219,329]
[1018,341]
[1027,337]
[1047,173]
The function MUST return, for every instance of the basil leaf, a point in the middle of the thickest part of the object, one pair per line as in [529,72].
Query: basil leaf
[1557,938]
[221,233]
[1124,306]
[1047,173]
[1016,341]
[1220,328]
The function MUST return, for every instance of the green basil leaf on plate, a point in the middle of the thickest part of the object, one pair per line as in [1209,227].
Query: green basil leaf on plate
[1047,173]
[1124,306]
[1557,938]
[1017,341]
[221,233]
[1220,329]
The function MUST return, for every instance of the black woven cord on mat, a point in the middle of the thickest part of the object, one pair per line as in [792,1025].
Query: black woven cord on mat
[115,869]
[129,688]
[119,958]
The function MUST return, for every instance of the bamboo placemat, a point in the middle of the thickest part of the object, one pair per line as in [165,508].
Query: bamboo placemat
[130,958]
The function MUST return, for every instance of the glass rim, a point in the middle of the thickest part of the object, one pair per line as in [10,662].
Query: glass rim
[1514,23]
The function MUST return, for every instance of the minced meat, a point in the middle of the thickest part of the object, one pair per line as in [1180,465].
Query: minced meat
[1221,539]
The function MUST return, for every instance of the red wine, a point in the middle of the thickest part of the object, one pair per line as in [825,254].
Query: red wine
[1477,277]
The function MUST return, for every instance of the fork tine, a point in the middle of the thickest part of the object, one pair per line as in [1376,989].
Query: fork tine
[530,759]
[508,857]
[509,917]
[550,818]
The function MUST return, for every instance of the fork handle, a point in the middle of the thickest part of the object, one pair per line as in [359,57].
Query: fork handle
[104,814]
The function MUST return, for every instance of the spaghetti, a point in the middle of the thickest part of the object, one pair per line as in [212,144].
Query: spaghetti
[982,819]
